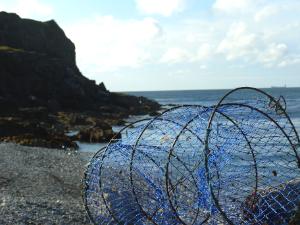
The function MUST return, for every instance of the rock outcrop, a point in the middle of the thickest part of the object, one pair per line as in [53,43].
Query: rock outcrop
[35,127]
[38,70]
[98,133]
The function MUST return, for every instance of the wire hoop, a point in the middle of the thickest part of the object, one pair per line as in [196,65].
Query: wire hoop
[233,163]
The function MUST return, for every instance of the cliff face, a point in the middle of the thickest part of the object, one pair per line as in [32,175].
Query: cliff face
[44,38]
[38,68]
[43,94]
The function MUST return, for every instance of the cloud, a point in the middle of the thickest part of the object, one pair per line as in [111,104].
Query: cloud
[175,55]
[105,43]
[35,9]
[160,7]
[273,54]
[266,12]
[290,60]
[230,6]
[108,44]
[239,42]
[250,47]
[205,51]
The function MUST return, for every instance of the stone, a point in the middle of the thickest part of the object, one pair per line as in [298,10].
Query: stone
[100,132]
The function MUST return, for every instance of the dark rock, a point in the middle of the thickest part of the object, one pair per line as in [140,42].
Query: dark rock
[33,36]
[101,132]
[53,105]
[71,120]
[15,126]
[120,122]
[34,127]
[154,113]
[39,79]
[102,87]
[47,141]
[7,106]
[38,68]
[37,113]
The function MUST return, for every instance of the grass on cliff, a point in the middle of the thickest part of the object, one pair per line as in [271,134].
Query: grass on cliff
[9,49]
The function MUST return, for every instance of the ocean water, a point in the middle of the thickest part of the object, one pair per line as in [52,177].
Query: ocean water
[211,97]
[208,98]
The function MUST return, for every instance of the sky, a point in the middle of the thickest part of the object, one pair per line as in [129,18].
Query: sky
[138,45]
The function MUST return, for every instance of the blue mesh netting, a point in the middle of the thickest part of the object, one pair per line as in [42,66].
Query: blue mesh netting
[233,163]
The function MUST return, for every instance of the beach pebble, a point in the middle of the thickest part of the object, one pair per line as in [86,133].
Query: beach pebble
[40,186]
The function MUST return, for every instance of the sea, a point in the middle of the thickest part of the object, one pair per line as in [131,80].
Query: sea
[209,98]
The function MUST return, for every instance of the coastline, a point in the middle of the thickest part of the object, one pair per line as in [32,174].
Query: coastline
[41,186]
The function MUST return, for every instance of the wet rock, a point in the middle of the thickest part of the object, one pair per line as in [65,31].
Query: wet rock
[36,113]
[34,132]
[47,141]
[101,132]
[154,113]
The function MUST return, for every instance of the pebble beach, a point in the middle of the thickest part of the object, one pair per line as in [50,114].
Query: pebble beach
[41,186]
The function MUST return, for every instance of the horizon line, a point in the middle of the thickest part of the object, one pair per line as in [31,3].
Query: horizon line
[208,89]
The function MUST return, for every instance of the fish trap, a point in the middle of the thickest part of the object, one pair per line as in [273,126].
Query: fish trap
[236,162]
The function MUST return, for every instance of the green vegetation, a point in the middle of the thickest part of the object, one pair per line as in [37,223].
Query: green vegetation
[9,49]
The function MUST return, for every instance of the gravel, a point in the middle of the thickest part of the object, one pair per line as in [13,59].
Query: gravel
[41,186]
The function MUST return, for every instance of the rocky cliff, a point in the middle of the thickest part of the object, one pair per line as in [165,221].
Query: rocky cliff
[38,68]
[42,91]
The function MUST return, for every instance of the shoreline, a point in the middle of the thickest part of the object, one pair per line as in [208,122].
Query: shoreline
[41,186]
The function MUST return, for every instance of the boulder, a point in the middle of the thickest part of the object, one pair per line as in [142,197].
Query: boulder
[35,130]
[100,132]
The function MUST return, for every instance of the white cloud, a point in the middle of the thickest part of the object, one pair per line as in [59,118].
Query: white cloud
[35,9]
[180,55]
[266,12]
[175,55]
[204,52]
[273,54]
[104,43]
[203,67]
[229,6]
[161,7]
[290,60]
[239,42]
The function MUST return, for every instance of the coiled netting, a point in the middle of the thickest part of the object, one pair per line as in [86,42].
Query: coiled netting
[233,163]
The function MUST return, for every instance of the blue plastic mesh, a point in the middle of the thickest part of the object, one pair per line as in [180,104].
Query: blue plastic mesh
[234,163]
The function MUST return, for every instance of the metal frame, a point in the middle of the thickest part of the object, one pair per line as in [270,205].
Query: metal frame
[206,151]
